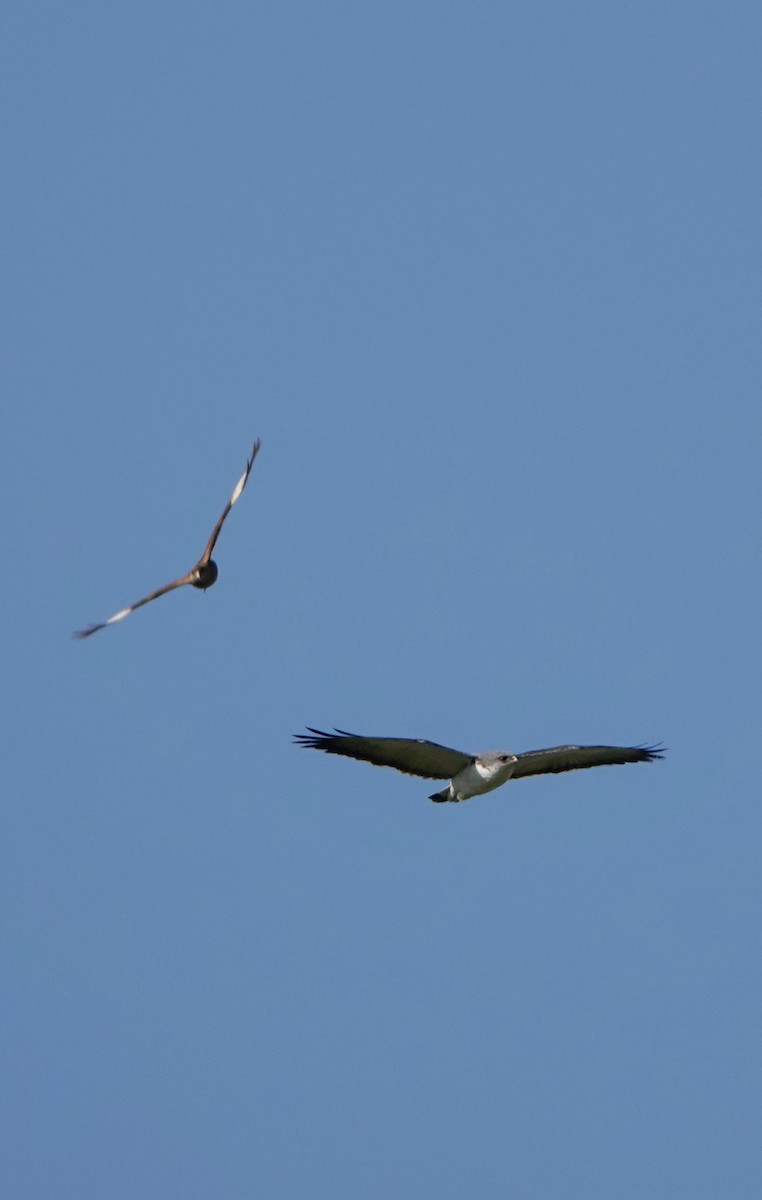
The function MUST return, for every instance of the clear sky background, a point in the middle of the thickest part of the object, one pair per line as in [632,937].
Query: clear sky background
[485,279]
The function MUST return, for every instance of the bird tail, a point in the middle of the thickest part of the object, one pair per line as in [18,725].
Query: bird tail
[440,797]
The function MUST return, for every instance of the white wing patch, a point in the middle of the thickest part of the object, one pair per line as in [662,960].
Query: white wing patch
[119,616]
[239,488]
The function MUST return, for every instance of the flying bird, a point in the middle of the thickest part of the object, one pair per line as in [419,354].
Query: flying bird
[469,774]
[202,575]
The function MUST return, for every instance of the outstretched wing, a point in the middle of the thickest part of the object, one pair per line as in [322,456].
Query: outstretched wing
[410,755]
[572,758]
[236,493]
[125,612]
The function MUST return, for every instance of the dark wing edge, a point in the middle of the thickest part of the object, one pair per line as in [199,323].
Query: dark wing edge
[427,760]
[80,634]
[236,493]
[573,758]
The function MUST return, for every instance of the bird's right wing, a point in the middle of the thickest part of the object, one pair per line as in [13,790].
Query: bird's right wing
[412,756]
[125,612]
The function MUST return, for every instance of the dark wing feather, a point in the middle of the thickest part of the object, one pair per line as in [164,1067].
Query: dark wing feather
[235,495]
[412,756]
[125,612]
[573,758]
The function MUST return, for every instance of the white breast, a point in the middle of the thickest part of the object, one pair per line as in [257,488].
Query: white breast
[476,778]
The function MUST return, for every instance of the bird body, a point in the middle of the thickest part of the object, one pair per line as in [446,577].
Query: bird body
[469,774]
[483,774]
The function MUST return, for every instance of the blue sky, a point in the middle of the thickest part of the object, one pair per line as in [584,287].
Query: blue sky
[485,280]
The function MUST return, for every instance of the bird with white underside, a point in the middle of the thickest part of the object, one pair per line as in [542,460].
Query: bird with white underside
[470,774]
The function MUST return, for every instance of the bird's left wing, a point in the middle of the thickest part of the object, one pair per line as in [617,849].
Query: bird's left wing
[235,496]
[410,755]
[572,758]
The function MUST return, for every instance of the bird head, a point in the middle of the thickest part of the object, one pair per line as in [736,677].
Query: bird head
[499,763]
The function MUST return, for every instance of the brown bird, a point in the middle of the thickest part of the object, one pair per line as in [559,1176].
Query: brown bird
[202,575]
